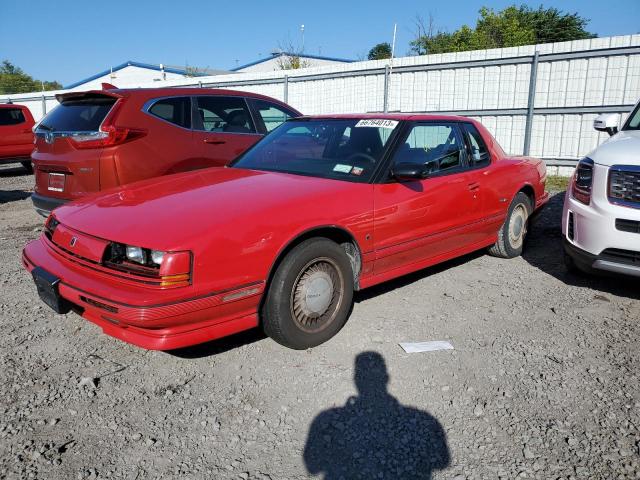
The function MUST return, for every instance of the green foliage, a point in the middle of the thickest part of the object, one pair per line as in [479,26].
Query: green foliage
[380,51]
[292,62]
[14,80]
[510,27]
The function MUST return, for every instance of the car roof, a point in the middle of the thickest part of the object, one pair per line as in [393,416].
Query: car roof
[12,105]
[390,116]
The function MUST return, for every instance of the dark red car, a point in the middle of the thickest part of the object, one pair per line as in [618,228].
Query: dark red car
[283,236]
[16,137]
[101,139]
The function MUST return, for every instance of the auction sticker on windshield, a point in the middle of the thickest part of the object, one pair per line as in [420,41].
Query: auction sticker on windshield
[342,168]
[377,122]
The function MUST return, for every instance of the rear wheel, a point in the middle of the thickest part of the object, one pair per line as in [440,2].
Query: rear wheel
[310,295]
[513,232]
[28,166]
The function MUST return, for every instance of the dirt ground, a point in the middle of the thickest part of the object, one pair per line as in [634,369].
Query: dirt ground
[542,381]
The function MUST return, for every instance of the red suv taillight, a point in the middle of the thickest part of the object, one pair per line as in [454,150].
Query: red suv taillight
[582,182]
[109,134]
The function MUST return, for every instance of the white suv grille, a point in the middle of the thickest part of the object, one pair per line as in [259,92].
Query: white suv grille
[624,185]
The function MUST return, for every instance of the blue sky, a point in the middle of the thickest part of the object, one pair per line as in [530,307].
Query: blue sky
[69,40]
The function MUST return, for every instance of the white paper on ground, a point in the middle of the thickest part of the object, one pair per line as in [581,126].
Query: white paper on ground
[415,347]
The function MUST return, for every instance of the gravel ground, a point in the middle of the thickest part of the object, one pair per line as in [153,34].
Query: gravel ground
[542,383]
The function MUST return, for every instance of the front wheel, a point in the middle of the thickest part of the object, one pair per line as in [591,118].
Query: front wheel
[310,295]
[513,232]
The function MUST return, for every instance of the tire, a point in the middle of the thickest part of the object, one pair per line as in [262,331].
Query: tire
[513,233]
[298,312]
[27,166]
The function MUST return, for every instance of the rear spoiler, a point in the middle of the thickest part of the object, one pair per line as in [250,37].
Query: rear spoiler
[61,97]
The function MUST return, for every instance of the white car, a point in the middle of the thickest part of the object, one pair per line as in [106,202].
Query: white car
[601,217]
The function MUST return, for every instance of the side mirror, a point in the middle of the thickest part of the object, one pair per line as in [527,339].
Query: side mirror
[407,172]
[607,122]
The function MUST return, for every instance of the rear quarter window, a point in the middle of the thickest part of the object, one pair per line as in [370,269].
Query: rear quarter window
[81,115]
[11,116]
[176,110]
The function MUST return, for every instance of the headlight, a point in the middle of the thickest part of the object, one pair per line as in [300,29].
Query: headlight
[136,254]
[157,256]
[582,182]
[171,269]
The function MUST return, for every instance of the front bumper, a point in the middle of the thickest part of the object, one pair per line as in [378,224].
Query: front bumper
[148,318]
[601,262]
[44,205]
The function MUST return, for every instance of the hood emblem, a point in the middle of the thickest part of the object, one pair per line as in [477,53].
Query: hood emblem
[73,241]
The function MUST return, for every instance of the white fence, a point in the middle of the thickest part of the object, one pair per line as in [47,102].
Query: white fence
[537,99]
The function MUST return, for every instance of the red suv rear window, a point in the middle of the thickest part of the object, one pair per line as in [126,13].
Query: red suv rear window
[79,115]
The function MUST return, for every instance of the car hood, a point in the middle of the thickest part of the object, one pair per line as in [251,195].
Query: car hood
[176,211]
[621,149]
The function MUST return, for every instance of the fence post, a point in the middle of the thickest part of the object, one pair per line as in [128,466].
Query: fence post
[531,103]
[44,105]
[285,86]
[385,102]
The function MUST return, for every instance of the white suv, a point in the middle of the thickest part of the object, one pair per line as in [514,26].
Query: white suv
[601,217]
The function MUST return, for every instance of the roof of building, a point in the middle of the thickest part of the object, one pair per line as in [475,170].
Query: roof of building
[194,71]
[290,54]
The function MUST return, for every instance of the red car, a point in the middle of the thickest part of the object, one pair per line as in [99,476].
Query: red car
[283,236]
[105,138]
[16,137]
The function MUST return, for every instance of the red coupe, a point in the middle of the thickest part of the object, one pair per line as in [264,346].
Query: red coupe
[282,237]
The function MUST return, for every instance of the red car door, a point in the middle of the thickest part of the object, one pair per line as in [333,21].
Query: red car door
[487,181]
[421,219]
[223,128]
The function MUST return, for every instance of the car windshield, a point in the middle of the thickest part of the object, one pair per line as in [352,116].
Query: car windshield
[340,149]
[634,120]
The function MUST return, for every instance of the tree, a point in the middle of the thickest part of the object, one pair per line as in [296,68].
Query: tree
[510,27]
[14,80]
[290,57]
[380,51]
[291,61]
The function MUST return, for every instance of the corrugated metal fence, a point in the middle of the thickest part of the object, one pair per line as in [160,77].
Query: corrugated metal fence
[537,99]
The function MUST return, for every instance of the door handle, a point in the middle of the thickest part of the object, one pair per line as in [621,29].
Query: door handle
[474,187]
[211,141]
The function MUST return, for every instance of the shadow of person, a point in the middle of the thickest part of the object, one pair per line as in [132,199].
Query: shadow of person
[373,435]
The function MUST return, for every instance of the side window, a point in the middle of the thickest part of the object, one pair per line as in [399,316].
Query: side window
[272,115]
[479,152]
[438,146]
[224,114]
[176,110]
[11,116]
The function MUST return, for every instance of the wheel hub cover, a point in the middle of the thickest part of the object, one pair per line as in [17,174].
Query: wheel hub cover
[316,293]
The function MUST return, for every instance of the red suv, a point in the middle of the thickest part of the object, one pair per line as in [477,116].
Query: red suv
[16,137]
[105,138]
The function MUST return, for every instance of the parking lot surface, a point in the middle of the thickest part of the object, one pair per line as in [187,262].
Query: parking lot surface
[542,381]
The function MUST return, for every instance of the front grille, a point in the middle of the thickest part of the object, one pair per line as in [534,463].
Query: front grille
[570,228]
[630,226]
[624,185]
[627,257]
